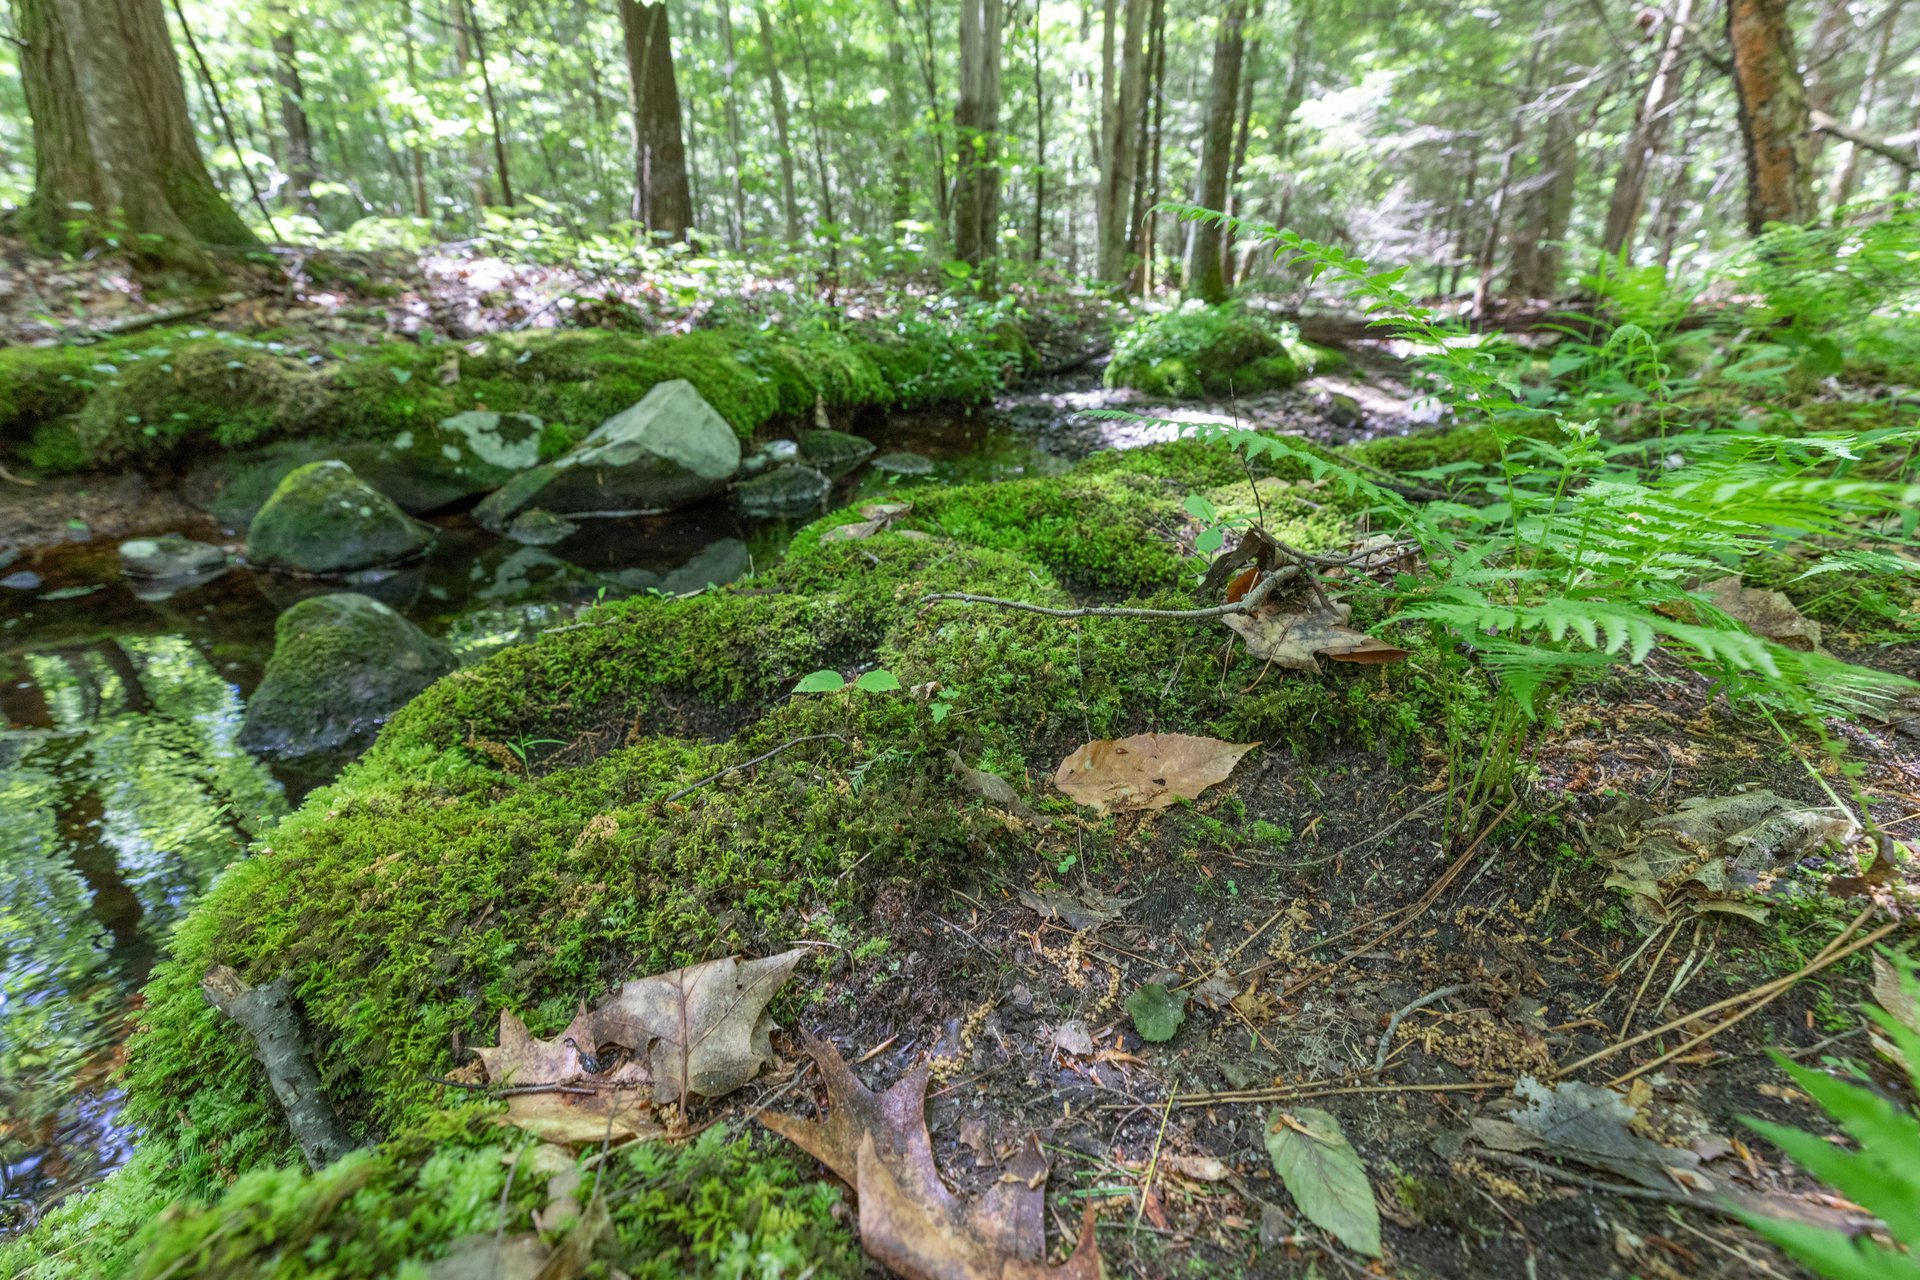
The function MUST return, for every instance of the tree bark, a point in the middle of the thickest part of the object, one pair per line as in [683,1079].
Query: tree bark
[1206,276]
[1243,129]
[1121,92]
[293,116]
[1037,250]
[1541,227]
[736,184]
[777,91]
[1146,189]
[976,124]
[1649,132]
[114,151]
[1775,128]
[662,200]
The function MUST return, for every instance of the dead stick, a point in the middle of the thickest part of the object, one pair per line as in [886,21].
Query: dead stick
[267,1015]
[1246,604]
[1297,1093]
[1393,1023]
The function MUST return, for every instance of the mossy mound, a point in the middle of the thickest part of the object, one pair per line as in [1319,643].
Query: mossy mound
[322,518]
[1204,351]
[508,842]
[220,392]
[1425,450]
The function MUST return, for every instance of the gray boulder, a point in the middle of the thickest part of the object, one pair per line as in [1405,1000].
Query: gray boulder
[788,491]
[774,453]
[341,665]
[666,451]
[538,527]
[170,556]
[324,519]
[470,453]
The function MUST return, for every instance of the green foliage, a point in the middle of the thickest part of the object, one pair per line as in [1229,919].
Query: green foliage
[1200,350]
[1882,1175]
[1156,1012]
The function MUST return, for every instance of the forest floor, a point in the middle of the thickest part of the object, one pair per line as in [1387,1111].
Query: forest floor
[1336,945]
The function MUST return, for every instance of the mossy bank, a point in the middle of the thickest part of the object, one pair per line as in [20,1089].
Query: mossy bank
[509,842]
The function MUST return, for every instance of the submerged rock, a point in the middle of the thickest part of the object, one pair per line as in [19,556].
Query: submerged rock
[458,457]
[834,452]
[324,519]
[666,451]
[714,565]
[170,556]
[904,464]
[789,491]
[539,527]
[341,665]
[768,456]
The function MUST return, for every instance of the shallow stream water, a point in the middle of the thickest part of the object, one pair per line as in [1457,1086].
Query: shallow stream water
[123,791]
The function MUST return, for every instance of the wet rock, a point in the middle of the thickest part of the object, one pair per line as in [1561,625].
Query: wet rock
[904,464]
[324,519]
[459,457]
[834,452]
[1342,410]
[774,453]
[21,580]
[789,491]
[170,556]
[341,665]
[538,527]
[715,565]
[666,451]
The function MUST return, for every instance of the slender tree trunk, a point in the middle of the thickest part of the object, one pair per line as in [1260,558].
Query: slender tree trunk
[422,207]
[500,170]
[1146,191]
[1847,172]
[662,201]
[777,91]
[976,125]
[1827,44]
[1039,144]
[112,140]
[1649,132]
[458,18]
[900,120]
[1243,129]
[1540,229]
[293,115]
[819,153]
[1206,278]
[737,191]
[1121,96]
[1774,123]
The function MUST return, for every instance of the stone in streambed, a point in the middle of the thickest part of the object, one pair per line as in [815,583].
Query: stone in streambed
[324,519]
[458,457]
[170,556]
[789,491]
[341,665]
[904,464]
[834,452]
[670,449]
[538,527]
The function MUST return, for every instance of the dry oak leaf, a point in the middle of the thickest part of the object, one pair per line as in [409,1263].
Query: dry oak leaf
[1291,637]
[1768,614]
[909,1220]
[1146,771]
[579,1108]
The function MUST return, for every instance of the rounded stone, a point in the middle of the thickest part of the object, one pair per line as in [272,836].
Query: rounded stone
[323,519]
[787,491]
[904,464]
[170,556]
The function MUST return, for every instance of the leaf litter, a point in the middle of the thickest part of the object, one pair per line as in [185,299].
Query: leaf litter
[1146,771]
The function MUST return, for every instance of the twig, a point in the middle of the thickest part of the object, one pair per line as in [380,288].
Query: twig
[1595,1184]
[748,764]
[1626,1023]
[14,479]
[1153,1162]
[1299,1093]
[267,1015]
[1393,1023]
[1246,604]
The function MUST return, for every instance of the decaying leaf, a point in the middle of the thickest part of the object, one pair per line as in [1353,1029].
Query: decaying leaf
[1291,636]
[703,1028]
[1896,989]
[909,1220]
[878,515]
[1146,771]
[1073,1037]
[1088,909]
[1199,1168]
[1768,614]
[990,787]
[1709,851]
[1218,991]
[1587,1125]
[1325,1177]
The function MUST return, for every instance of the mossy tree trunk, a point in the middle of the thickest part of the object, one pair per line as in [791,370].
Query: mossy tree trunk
[114,150]
[1206,272]
[662,200]
[976,122]
[1775,126]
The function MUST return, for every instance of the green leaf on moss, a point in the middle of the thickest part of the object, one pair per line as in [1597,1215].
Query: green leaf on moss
[881,681]
[821,682]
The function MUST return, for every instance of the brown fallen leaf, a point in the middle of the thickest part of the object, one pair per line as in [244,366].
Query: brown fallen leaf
[1291,636]
[990,787]
[1768,614]
[909,1220]
[1146,771]
[878,516]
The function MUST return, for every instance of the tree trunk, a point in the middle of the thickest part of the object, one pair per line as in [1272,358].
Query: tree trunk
[293,117]
[662,202]
[1243,129]
[1540,229]
[777,91]
[113,146]
[423,209]
[1121,93]
[500,169]
[1146,189]
[737,191]
[1774,125]
[1847,172]
[1037,249]
[976,124]
[1649,131]
[1206,278]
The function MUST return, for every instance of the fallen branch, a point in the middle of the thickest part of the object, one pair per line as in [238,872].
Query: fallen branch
[1246,604]
[748,764]
[266,1014]
[1393,1023]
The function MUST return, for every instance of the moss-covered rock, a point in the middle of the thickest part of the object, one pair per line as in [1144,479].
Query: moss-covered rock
[782,492]
[1199,350]
[458,457]
[834,452]
[341,665]
[1424,450]
[322,518]
[221,392]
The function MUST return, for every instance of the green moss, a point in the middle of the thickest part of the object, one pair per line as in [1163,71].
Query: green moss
[220,392]
[322,518]
[1204,351]
[38,384]
[1424,450]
